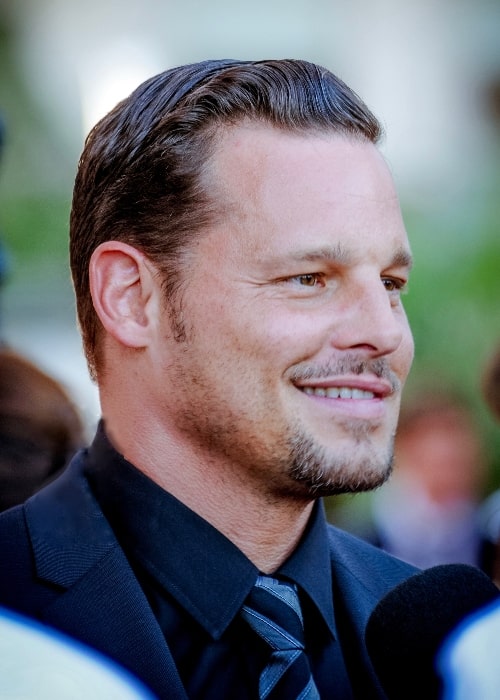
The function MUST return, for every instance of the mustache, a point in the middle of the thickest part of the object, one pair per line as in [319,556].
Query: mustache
[348,364]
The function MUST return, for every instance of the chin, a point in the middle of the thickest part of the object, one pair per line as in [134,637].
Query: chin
[322,486]
[321,472]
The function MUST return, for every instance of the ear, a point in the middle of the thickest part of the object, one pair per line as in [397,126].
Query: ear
[123,288]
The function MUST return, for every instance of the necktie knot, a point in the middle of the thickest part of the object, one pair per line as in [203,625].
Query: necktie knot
[273,611]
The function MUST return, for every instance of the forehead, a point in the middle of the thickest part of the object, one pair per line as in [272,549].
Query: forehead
[254,156]
[322,187]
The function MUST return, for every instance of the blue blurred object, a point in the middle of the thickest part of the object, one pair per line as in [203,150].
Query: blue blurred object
[469,661]
[38,663]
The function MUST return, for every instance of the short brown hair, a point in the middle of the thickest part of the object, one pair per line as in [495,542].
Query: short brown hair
[139,178]
[490,383]
[40,428]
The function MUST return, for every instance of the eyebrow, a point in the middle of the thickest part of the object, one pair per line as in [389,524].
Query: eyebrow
[402,257]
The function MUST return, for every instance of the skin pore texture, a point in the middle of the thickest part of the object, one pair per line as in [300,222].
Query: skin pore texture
[285,383]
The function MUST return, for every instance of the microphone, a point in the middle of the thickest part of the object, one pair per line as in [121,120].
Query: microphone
[407,627]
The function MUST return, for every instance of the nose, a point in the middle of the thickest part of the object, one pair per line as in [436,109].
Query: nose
[372,320]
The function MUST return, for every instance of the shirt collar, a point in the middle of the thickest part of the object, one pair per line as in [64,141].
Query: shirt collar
[179,548]
[310,568]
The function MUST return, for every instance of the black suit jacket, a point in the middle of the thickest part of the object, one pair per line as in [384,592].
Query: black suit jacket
[62,564]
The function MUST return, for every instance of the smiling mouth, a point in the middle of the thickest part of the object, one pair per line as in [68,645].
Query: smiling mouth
[339,392]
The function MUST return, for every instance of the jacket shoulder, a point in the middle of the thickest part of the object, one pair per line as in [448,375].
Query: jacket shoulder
[50,541]
[18,584]
[376,570]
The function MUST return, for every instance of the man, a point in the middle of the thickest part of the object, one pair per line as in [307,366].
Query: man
[238,255]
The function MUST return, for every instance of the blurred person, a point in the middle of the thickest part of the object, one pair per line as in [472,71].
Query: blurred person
[428,513]
[40,428]
[238,255]
[490,383]
[490,508]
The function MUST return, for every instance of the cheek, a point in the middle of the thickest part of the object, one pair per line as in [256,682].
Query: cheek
[287,340]
[405,353]
[254,328]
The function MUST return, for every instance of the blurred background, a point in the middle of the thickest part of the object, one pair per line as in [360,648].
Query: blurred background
[430,70]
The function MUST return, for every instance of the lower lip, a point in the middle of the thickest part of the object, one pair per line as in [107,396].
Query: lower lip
[362,409]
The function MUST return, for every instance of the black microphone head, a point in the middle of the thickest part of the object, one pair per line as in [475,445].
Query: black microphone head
[408,626]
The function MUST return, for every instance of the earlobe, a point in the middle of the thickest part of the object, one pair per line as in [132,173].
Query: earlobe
[121,285]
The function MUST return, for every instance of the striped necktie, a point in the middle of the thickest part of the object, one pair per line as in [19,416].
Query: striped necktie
[273,611]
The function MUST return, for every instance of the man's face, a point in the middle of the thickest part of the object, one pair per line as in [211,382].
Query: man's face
[296,343]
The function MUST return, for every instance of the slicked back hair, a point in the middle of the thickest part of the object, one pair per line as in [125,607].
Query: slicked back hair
[140,180]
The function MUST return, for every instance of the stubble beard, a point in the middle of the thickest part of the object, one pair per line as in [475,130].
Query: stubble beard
[319,470]
[315,471]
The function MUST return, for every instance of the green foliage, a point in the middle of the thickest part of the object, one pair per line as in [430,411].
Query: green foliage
[453,300]
[35,232]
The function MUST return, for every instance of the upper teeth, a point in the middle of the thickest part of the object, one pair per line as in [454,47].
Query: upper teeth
[337,392]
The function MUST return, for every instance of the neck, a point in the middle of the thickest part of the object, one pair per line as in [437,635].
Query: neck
[265,527]
[266,536]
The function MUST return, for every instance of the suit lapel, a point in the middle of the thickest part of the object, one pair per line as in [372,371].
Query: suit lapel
[361,576]
[101,602]
[108,610]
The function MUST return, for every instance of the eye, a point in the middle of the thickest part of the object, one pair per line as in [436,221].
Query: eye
[312,279]
[394,285]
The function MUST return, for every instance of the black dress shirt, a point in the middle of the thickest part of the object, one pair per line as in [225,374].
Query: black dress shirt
[196,581]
